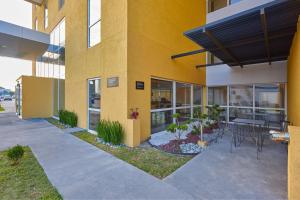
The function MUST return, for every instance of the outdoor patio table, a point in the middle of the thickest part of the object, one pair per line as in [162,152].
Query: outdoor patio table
[253,122]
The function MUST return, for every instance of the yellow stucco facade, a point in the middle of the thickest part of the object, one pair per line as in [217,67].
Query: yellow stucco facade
[37,97]
[138,38]
[293,87]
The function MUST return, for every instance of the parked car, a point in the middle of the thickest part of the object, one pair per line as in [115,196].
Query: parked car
[7,98]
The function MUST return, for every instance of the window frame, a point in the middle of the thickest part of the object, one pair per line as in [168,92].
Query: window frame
[88,103]
[90,26]
[174,107]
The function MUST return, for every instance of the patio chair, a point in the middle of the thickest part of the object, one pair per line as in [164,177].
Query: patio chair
[240,132]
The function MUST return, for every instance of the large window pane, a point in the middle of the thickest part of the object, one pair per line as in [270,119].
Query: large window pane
[161,94]
[273,117]
[94,11]
[183,94]
[241,95]
[94,118]
[269,96]
[197,96]
[214,5]
[244,113]
[94,25]
[95,37]
[185,114]
[94,94]
[217,95]
[160,120]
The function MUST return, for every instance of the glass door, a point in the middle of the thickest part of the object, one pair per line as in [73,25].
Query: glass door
[94,103]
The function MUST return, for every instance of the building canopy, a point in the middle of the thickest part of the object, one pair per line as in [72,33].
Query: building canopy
[262,34]
[20,42]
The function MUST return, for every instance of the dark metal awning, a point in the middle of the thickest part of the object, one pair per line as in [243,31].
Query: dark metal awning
[262,34]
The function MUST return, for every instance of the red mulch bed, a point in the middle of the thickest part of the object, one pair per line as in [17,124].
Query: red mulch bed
[173,145]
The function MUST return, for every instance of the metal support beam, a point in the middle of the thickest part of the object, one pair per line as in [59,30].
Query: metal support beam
[188,53]
[236,44]
[263,20]
[221,47]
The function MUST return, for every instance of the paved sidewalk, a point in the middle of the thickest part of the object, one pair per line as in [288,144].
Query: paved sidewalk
[219,174]
[79,170]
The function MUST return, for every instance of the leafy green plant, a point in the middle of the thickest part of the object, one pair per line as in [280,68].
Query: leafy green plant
[15,154]
[214,112]
[111,132]
[69,118]
[176,127]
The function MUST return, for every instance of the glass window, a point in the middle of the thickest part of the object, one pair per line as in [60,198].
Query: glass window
[234,1]
[161,94]
[61,3]
[94,25]
[94,94]
[244,113]
[161,120]
[46,14]
[197,95]
[214,5]
[185,114]
[217,95]
[272,117]
[183,94]
[241,95]
[269,96]
[94,118]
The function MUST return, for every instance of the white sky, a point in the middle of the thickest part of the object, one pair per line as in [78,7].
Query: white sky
[16,12]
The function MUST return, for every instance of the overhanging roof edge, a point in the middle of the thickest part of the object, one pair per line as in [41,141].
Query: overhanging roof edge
[252,10]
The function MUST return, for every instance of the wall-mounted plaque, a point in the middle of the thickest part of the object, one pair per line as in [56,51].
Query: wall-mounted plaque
[113,82]
[139,85]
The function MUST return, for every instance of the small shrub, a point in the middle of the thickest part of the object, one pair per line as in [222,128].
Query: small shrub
[15,154]
[111,132]
[68,118]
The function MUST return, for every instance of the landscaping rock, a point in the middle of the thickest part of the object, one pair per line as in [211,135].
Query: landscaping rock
[190,148]
[100,140]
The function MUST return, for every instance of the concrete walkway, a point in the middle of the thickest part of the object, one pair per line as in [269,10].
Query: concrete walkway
[79,170]
[219,174]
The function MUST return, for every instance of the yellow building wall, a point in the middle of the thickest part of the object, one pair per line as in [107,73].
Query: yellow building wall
[294,163]
[293,89]
[138,38]
[293,85]
[37,97]
[155,33]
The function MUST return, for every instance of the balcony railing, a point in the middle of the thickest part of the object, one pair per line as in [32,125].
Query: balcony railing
[214,5]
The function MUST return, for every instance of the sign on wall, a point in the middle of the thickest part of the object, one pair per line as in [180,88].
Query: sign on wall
[113,82]
[139,85]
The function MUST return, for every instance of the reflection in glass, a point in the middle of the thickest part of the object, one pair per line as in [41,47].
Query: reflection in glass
[197,96]
[243,113]
[94,94]
[185,114]
[160,120]
[94,24]
[273,117]
[214,5]
[217,95]
[269,96]
[161,94]
[241,95]
[183,94]
[94,118]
